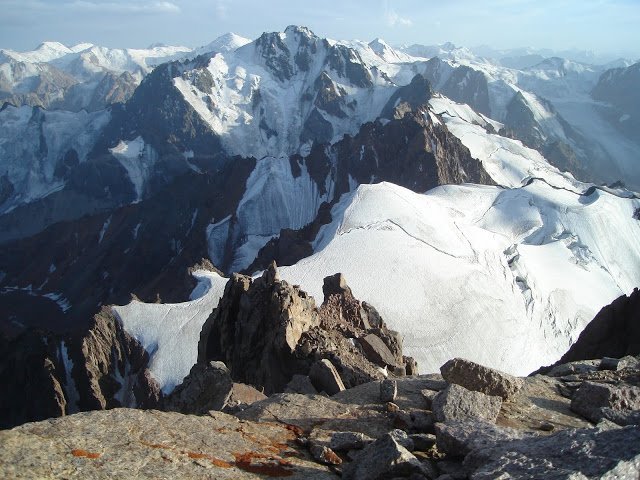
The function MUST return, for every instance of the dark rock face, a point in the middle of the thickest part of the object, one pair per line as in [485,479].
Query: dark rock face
[325,377]
[618,87]
[52,375]
[469,86]
[256,328]
[267,331]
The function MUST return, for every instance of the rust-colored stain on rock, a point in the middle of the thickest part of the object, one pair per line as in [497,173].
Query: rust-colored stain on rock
[271,466]
[83,453]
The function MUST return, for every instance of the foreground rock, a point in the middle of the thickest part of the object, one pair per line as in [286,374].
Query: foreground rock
[479,378]
[595,401]
[590,453]
[123,443]
[385,458]
[456,403]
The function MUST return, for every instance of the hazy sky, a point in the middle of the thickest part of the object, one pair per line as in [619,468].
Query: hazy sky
[604,26]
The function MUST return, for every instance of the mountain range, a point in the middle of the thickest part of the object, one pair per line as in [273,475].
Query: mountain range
[486,207]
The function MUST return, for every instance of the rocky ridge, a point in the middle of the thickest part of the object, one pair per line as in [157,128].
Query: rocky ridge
[352,434]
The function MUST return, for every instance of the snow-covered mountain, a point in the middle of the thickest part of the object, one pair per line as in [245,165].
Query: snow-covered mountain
[449,189]
[87,76]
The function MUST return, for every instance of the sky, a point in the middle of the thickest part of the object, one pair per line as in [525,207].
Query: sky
[601,26]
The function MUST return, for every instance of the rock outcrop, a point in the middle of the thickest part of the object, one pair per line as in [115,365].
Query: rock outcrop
[47,375]
[267,331]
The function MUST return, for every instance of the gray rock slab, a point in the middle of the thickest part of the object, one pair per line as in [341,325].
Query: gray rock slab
[570,454]
[127,443]
[456,402]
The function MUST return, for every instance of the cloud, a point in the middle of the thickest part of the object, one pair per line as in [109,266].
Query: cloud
[117,7]
[394,19]
[221,9]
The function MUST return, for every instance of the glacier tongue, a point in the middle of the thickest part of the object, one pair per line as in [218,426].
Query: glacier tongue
[507,278]
[275,198]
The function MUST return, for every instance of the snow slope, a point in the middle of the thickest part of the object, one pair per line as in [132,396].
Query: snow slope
[170,332]
[505,277]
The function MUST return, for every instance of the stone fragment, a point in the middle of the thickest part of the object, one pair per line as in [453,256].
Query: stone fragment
[377,351]
[456,403]
[423,441]
[595,401]
[325,377]
[479,378]
[392,407]
[388,390]
[324,455]
[345,441]
[428,395]
[458,438]
[300,384]
[384,459]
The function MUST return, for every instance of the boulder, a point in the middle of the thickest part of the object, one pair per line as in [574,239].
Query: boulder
[377,351]
[457,403]
[595,401]
[569,454]
[479,378]
[458,438]
[388,390]
[207,387]
[325,377]
[384,459]
[429,395]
